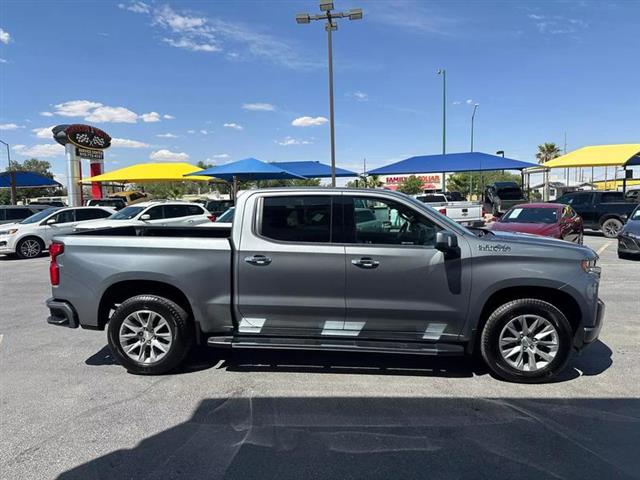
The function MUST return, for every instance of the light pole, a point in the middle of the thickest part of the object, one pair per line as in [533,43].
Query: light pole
[443,72]
[473,117]
[326,7]
[501,153]
[12,175]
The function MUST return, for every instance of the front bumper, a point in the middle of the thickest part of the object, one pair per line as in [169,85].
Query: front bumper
[587,335]
[629,245]
[62,313]
[7,245]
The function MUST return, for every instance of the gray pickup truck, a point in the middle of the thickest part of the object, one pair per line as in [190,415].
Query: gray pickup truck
[298,269]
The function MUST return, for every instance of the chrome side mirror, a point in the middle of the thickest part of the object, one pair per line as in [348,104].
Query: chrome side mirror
[145,217]
[446,241]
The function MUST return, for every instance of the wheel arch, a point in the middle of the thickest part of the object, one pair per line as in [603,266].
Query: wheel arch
[27,236]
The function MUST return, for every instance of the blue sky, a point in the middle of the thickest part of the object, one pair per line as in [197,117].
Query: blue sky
[224,80]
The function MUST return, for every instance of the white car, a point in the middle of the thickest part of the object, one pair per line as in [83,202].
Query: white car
[30,237]
[164,214]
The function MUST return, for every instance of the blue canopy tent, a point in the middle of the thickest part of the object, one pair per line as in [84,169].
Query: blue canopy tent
[310,169]
[26,180]
[247,169]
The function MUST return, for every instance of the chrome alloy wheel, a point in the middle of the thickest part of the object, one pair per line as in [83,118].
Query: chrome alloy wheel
[529,343]
[145,336]
[30,248]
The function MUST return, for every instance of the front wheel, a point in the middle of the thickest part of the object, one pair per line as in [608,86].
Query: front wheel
[149,335]
[611,227]
[30,247]
[527,341]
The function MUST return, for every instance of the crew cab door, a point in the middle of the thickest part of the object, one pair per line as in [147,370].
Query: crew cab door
[399,286]
[290,274]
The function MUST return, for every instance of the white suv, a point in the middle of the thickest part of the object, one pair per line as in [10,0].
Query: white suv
[30,237]
[165,214]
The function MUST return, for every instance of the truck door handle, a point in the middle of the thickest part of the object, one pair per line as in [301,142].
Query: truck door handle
[366,262]
[258,260]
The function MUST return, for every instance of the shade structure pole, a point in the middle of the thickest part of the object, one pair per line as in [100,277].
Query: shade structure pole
[329,27]
[74,189]
[235,189]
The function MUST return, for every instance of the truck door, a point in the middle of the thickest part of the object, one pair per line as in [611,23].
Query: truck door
[583,203]
[398,285]
[290,273]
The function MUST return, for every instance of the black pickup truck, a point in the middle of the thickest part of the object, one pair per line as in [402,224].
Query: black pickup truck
[606,211]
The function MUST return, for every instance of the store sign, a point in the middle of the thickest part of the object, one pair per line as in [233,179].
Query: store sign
[430,181]
[83,136]
[89,153]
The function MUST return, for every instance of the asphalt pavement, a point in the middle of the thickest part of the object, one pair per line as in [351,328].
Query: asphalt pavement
[67,410]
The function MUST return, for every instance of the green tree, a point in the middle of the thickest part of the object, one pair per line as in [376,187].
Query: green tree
[411,185]
[546,152]
[365,181]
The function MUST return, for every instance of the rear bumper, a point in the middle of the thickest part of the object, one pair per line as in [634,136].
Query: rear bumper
[587,335]
[62,313]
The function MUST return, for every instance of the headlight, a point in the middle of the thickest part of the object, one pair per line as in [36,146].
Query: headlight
[590,266]
[11,231]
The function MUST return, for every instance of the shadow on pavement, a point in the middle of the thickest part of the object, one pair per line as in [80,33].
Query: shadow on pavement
[355,437]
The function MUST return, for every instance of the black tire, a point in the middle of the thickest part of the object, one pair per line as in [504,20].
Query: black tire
[489,342]
[177,320]
[29,247]
[611,227]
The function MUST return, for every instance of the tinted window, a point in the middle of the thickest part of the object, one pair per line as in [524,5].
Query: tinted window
[91,214]
[155,213]
[577,199]
[175,211]
[611,197]
[18,213]
[126,213]
[2,213]
[194,210]
[65,217]
[385,222]
[36,217]
[297,219]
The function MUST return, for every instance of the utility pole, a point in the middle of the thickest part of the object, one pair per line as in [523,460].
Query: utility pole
[473,116]
[12,175]
[443,72]
[326,6]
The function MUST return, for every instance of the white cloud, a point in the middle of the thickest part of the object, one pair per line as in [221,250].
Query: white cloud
[192,45]
[46,114]
[469,101]
[165,155]
[204,132]
[10,126]
[557,24]
[44,132]
[235,126]
[4,36]
[112,115]
[220,155]
[150,117]
[2,60]
[43,150]
[76,108]
[166,135]
[135,7]
[360,96]
[309,121]
[259,107]
[126,143]
[191,131]
[168,117]
[289,141]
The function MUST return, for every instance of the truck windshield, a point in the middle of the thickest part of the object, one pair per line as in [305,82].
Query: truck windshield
[126,213]
[35,218]
[530,215]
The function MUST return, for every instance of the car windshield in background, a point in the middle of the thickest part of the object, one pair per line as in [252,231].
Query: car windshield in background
[530,215]
[510,193]
[226,217]
[126,213]
[39,216]
[636,214]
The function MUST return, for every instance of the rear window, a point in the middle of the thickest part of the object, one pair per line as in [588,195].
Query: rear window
[612,197]
[297,218]
[530,215]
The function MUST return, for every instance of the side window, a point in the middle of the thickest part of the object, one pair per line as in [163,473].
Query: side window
[385,222]
[297,219]
[91,214]
[3,213]
[18,213]
[612,197]
[65,217]
[155,213]
[579,199]
[194,210]
[175,211]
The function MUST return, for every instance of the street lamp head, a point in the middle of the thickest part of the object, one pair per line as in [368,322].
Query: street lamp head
[302,18]
[326,5]
[440,71]
[355,14]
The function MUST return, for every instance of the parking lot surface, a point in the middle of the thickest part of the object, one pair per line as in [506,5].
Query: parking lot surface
[68,411]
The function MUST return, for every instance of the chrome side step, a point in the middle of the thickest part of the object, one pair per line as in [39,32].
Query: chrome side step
[336,345]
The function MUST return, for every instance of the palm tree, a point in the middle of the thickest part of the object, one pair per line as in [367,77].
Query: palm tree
[546,152]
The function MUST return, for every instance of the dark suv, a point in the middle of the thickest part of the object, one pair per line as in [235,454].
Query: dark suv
[17,213]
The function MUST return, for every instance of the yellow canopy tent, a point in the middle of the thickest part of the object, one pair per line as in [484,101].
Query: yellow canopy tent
[151,172]
[623,155]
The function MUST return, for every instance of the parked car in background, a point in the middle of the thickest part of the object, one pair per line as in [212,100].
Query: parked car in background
[501,196]
[131,197]
[158,213]
[547,219]
[466,213]
[605,211]
[226,217]
[217,207]
[455,197]
[113,202]
[17,213]
[30,237]
[629,236]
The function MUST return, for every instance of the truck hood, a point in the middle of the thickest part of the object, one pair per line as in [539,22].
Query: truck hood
[537,240]
[545,229]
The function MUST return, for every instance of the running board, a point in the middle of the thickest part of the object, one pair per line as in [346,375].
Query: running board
[336,345]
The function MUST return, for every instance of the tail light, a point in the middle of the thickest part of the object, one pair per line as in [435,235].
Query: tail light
[55,250]
[212,218]
[443,211]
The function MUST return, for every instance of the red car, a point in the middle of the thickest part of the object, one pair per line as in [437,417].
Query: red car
[546,219]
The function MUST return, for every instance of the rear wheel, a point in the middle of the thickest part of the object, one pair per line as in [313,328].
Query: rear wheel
[527,341]
[611,227]
[29,247]
[149,335]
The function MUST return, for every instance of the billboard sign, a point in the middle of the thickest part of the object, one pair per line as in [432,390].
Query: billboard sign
[430,181]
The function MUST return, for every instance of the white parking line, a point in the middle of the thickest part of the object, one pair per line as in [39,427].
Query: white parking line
[603,248]
[1,337]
